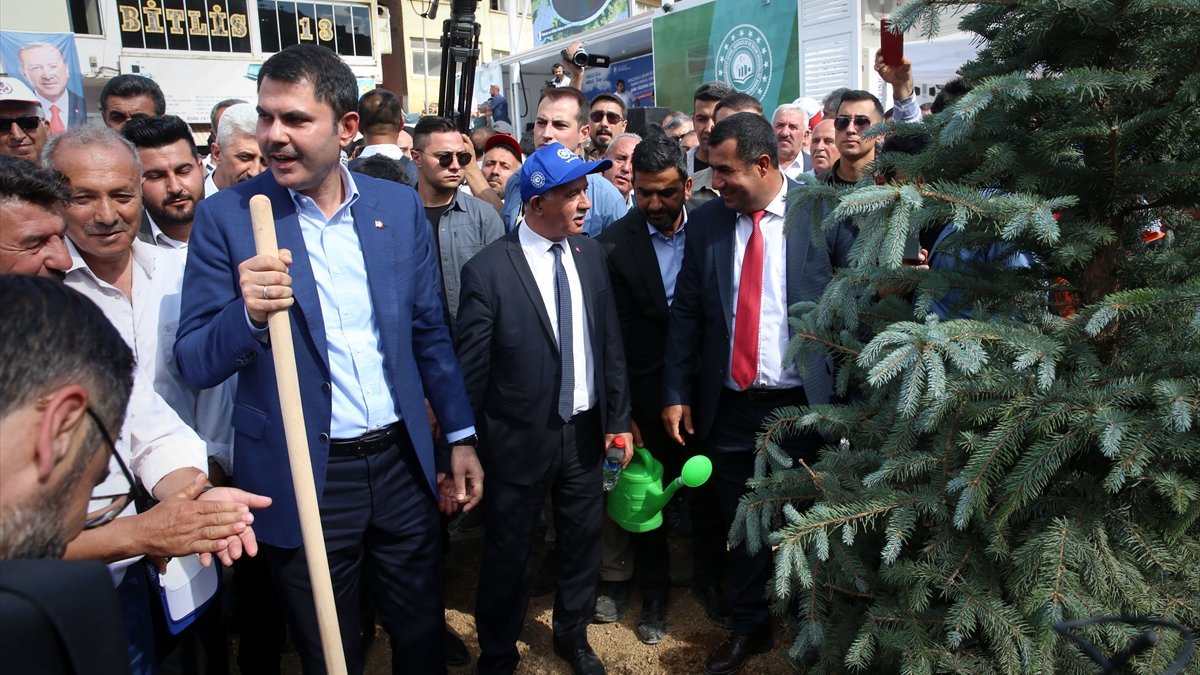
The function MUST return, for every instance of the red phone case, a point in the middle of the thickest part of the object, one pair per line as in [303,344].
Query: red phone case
[891,44]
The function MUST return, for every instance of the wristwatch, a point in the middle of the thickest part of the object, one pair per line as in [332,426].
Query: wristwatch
[472,440]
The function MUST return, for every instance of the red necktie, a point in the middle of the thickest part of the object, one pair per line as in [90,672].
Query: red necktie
[749,308]
[56,123]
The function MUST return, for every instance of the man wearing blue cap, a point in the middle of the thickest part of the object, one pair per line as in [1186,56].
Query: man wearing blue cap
[545,374]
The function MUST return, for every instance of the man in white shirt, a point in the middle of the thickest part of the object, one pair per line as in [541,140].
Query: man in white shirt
[620,174]
[139,293]
[172,179]
[234,150]
[791,132]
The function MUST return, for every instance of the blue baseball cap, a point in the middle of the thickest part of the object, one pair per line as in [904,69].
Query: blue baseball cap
[553,165]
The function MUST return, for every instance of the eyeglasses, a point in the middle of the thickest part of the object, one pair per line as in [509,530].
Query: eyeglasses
[598,116]
[28,123]
[842,122]
[446,158]
[116,503]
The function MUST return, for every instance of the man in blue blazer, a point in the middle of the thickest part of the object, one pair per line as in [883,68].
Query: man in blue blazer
[357,273]
[742,269]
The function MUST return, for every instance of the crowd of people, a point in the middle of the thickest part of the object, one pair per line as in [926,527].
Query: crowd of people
[463,305]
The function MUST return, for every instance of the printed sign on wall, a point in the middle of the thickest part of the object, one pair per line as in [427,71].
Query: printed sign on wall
[48,63]
[557,19]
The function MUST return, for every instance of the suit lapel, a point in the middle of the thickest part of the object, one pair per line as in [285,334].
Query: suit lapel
[797,243]
[723,245]
[517,257]
[642,249]
[380,256]
[587,284]
[304,284]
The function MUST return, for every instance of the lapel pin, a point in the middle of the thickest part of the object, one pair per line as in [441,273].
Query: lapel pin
[578,250]
[379,224]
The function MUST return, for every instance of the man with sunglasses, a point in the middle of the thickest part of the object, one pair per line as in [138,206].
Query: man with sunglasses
[65,375]
[858,111]
[23,132]
[607,117]
[462,224]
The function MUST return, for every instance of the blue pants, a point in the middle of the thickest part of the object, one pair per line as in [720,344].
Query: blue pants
[135,598]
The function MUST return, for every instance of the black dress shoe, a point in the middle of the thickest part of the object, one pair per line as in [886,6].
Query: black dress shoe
[583,660]
[612,598]
[729,657]
[653,626]
[713,601]
[456,650]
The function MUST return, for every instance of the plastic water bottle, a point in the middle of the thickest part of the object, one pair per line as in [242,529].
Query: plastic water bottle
[612,463]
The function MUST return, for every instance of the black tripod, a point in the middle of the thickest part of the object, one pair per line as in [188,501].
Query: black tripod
[460,49]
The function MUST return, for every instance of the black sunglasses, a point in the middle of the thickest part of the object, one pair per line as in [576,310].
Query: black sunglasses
[842,122]
[116,503]
[446,158]
[28,123]
[598,115]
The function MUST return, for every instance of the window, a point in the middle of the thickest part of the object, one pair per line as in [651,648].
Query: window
[85,16]
[498,54]
[422,49]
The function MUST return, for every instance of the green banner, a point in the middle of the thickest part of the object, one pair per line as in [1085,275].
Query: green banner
[751,45]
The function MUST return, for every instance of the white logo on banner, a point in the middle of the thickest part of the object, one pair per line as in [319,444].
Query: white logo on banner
[744,60]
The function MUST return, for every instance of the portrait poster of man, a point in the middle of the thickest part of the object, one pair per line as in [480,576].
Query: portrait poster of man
[49,64]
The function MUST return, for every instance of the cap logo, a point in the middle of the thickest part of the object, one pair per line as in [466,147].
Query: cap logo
[537,180]
[5,88]
[566,155]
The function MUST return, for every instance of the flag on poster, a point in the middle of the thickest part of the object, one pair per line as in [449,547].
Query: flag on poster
[49,64]
[753,52]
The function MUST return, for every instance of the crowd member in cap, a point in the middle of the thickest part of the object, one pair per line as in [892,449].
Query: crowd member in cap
[234,150]
[126,96]
[500,161]
[545,373]
[620,174]
[357,263]
[44,68]
[607,121]
[562,118]
[472,180]
[722,377]
[23,132]
[65,377]
[462,224]
[32,233]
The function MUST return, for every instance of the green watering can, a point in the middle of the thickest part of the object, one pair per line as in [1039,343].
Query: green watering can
[637,502]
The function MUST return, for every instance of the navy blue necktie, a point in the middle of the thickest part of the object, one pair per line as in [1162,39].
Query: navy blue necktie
[566,340]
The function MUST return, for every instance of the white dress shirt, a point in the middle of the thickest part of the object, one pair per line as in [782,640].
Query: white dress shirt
[773,315]
[210,186]
[389,150]
[162,240]
[541,263]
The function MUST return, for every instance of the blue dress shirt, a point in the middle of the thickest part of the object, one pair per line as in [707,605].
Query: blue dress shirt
[669,252]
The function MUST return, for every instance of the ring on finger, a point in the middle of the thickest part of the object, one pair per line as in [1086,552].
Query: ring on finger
[266,296]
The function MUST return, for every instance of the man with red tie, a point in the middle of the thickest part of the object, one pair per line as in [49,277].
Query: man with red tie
[741,271]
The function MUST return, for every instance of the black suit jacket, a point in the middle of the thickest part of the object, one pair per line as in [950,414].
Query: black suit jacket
[509,357]
[641,303]
[701,327]
[77,116]
[60,617]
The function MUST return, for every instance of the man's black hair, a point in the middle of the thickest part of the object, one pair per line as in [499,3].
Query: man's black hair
[379,112]
[332,80]
[429,125]
[860,95]
[52,336]
[128,86]
[24,182]
[386,168]
[753,134]
[954,90]
[712,91]
[158,132]
[739,102]
[659,152]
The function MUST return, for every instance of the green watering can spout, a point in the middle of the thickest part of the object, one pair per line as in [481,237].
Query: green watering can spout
[637,502]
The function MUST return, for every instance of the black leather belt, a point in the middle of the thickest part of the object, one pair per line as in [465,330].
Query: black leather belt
[370,443]
[793,395]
